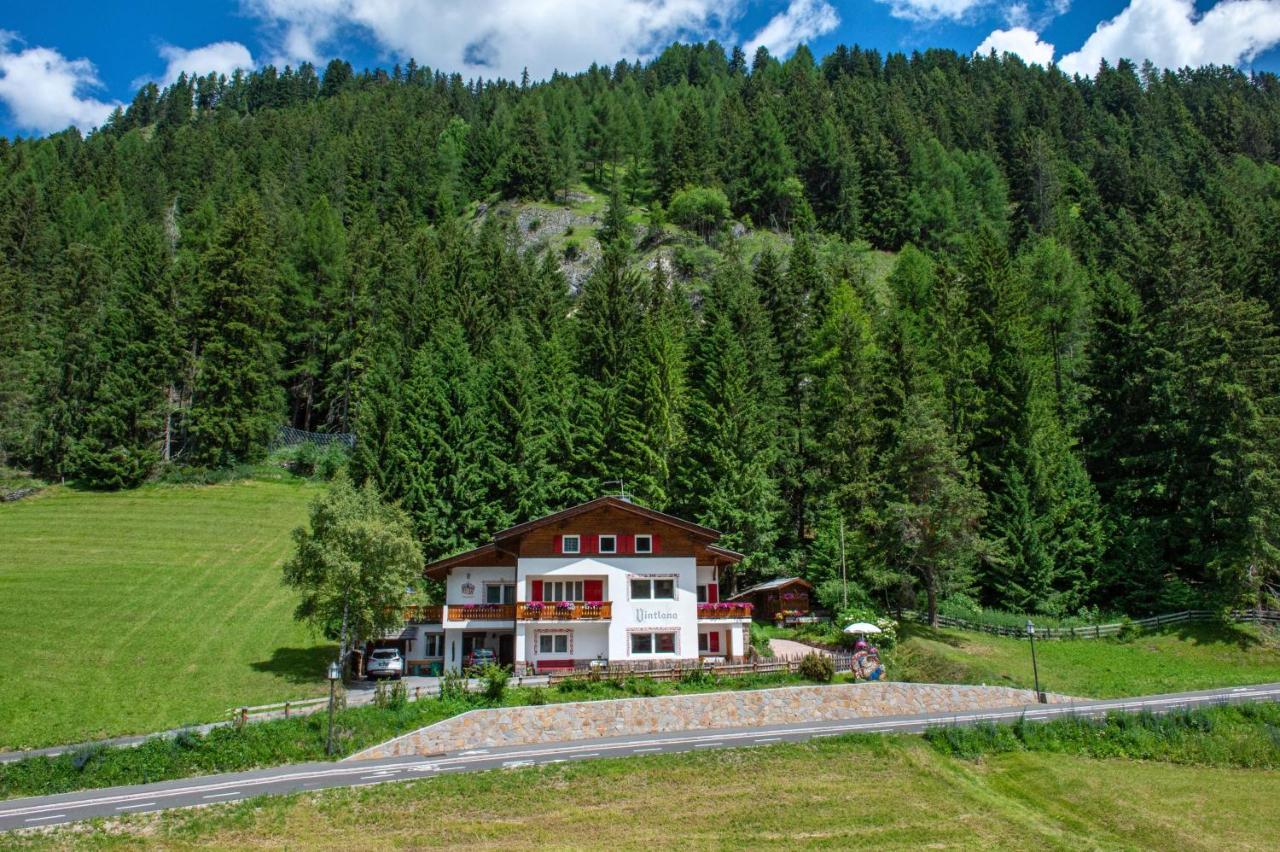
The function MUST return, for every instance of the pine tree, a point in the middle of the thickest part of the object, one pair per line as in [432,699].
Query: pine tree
[934,507]
[236,403]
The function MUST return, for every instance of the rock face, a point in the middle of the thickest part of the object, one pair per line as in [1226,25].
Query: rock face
[583,720]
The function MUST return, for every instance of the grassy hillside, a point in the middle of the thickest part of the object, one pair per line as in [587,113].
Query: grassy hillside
[131,612]
[1199,656]
[845,793]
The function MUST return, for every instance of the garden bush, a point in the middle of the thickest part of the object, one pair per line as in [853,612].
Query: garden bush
[817,667]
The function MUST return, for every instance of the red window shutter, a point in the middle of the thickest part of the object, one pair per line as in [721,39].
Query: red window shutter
[655,542]
[588,544]
[559,545]
[626,544]
[593,590]
[713,593]
[537,590]
[713,642]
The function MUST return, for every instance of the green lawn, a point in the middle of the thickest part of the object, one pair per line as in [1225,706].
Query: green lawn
[849,793]
[1200,656]
[135,611]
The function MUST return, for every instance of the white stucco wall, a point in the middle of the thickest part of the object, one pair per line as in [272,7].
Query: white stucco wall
[679,615]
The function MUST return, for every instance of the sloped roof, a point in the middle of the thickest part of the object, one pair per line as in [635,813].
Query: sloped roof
[494,548]
[614,502]
[769,585]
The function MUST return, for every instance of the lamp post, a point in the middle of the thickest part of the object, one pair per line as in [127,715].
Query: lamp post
[1035,671]
[335,674]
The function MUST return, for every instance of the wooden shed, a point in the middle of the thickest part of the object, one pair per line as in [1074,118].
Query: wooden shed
[788,595]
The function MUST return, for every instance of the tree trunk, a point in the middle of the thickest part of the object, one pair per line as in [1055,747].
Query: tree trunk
[931,589]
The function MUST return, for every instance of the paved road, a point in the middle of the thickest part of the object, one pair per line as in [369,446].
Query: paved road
[358,693]
[187,792]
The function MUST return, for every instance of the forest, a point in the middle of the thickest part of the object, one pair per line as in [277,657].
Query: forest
[1064,393]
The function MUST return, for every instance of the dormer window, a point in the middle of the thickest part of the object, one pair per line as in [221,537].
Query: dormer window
[644,544]
[571,544]
[608,544]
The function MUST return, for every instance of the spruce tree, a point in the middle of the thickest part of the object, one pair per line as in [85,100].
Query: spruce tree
[236,402]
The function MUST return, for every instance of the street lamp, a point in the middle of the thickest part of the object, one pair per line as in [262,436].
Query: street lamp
[335,674]
[1031,634]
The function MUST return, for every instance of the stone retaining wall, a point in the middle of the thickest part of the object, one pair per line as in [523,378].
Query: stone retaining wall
[548,723]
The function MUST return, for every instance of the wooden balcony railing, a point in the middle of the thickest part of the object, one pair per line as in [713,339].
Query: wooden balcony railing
[423,614]
[482,612]
[724,610]
[567,611]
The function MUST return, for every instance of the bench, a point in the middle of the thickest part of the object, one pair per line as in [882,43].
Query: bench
[548,665]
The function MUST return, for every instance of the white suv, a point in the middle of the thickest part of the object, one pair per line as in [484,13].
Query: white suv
[385,662]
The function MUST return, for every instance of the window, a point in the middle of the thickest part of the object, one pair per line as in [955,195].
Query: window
[571,544]
[608,544]
[644,544]
[499,593]
[653,589]
[553,643]
[433,645]
[653,643]
[702,594]
[562,590]
[702,642]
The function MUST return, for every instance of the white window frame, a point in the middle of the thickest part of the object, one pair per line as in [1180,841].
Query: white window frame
[564,545]
[652,636]
[613,548]
[653,587]
[648,544]
[430,639]
[553,635]
[564,590]
[503,586]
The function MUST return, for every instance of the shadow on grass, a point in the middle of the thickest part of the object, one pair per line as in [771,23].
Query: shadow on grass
[1217,634]
[910,630]
[298,665]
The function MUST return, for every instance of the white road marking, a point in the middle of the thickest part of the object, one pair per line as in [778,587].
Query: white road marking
[768,739]
[232,793]
[516,764]
[642,750]
[342,771]
[473,751]
[588,754]
[134,807]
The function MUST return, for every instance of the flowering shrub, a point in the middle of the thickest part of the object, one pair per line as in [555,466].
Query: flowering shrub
[534,605]
[564,604]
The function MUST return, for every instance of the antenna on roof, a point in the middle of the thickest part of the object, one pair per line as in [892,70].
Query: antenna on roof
[622,489]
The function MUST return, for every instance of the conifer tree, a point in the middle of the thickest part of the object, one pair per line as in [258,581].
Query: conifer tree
[236,402]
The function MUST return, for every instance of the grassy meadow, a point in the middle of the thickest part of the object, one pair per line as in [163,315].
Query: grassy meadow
[131,612]
[1194,656]
[852,793]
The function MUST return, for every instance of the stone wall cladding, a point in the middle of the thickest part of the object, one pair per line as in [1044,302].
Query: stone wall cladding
[551,723]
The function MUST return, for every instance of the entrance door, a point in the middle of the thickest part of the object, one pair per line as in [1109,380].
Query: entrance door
[507,649]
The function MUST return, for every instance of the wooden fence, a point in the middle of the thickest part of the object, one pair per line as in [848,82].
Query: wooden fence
[1098,631]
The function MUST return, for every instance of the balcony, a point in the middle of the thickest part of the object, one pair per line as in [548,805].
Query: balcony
[481,612]
[564,611]
[423,614]
[723,610]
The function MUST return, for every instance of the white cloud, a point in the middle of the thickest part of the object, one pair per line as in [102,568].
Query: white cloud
[220,57]
[798,23]
[45,91]
[494,37]
[931,10]
[1172,35]
[1021,41]
[1017,15]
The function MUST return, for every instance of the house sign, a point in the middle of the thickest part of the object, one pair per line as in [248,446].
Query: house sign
[468,590]
[647,615]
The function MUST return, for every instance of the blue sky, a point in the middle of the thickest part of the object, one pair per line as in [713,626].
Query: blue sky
[71,62]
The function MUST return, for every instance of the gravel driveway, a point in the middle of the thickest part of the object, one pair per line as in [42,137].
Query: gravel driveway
[788,649]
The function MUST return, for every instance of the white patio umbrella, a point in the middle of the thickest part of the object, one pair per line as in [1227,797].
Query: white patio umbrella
[862,627]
